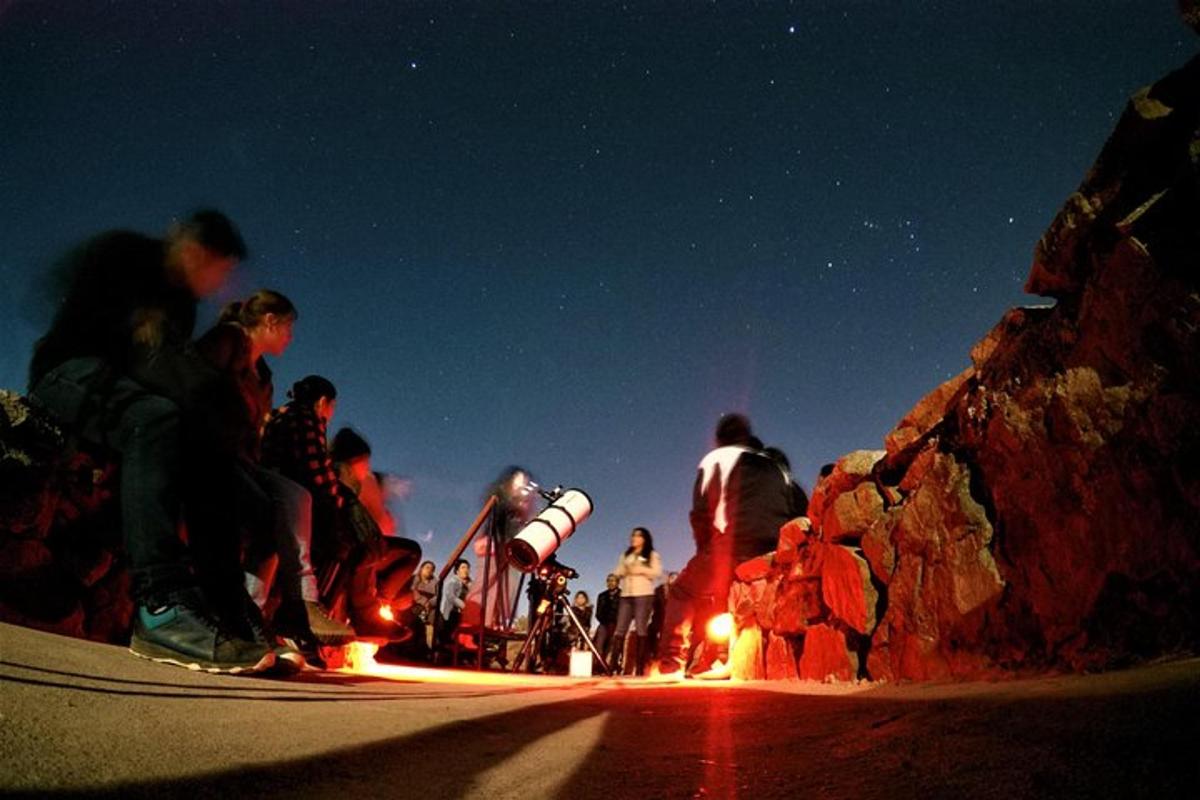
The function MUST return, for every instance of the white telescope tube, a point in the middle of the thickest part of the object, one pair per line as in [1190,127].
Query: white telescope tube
[549,529]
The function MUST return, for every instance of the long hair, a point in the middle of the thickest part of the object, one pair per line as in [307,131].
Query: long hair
[249,313]
[647,543]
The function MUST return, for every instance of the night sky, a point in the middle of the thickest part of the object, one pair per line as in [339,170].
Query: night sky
[570,235]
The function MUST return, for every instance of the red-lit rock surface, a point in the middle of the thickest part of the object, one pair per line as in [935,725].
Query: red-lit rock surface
[1041,510]
[60,563]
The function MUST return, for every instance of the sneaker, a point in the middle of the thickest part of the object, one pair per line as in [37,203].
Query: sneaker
[326,629]
[184,634]
[288,657]
[309,651]
[719,671]
[666,671]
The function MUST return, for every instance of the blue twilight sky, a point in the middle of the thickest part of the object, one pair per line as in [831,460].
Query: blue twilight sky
[569,235]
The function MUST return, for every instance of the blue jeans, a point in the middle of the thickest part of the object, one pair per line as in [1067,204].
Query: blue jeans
[634,609]
[280,535]
[145,430]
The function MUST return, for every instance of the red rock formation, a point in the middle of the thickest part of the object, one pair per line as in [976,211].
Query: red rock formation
[826,656]
[1039,510]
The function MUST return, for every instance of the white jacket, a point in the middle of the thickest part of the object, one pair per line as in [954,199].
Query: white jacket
[637,576]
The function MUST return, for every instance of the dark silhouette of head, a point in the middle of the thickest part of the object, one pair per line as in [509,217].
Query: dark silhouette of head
[348,445]
[212,230]
[311,388]
[733,429]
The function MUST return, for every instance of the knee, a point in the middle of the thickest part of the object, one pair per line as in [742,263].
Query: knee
[153,413]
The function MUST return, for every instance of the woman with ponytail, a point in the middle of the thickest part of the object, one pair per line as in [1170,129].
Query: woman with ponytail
[246,331]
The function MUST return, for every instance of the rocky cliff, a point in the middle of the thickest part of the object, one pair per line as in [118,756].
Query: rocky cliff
[1041,509]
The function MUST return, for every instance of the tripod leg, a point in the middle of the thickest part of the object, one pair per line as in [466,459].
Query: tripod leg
[536,630]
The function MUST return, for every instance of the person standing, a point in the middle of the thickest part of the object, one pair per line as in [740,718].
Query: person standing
[659,611]
[637,570]
[454,597]
[740,499]
[606,615]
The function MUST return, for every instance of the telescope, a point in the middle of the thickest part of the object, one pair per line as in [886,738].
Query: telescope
[538,540]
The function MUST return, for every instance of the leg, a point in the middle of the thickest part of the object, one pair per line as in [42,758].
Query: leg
[145,430]
[641,615]
[172,623]
[624,619]
[395,571]
[696,581]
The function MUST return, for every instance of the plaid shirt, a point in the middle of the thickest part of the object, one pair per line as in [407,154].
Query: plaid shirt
[294,443]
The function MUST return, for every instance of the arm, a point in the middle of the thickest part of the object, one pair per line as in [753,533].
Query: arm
[655,567]
[701,515]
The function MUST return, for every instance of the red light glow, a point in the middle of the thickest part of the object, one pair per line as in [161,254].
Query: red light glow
[720,628]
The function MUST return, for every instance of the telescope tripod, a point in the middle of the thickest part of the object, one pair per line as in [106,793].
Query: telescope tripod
[539,627]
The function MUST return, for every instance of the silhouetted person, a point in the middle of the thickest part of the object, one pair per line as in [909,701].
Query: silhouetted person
[117,369]
[514,508]
[606,615]
[380,564]
[658,613]
[740,499]
[799,497]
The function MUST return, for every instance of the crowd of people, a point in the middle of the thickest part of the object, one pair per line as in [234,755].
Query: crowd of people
[254,539]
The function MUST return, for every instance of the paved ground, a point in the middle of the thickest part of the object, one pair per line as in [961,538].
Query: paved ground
[82,719]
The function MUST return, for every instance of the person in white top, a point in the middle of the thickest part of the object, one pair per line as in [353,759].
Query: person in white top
[638,568]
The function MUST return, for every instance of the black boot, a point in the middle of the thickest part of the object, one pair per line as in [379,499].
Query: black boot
[618,654]
[641,652]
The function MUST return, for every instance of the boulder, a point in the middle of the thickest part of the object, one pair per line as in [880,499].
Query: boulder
[797,603]
[792,536]
[846,588]
[782,663]
[944,578]
[927,413]
[849,471]
[747,658]
[826,656]
[62,567]
[852,513]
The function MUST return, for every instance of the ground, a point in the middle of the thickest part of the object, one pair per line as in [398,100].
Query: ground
[84,719]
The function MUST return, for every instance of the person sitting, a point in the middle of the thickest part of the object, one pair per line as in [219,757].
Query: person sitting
[117,370]
[740,500]
[382,564]
[246,331]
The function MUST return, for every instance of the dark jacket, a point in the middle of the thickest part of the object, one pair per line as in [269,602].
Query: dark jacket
[606,606]
[119,305]
[740,500]
[240,406]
